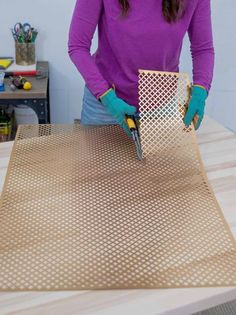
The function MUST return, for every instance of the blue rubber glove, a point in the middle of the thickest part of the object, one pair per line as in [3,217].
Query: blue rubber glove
[117,108]
[196,106]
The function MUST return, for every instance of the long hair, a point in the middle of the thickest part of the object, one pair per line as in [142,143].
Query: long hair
[171,9]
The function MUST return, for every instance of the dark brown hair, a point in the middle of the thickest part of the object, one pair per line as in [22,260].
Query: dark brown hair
[171,9]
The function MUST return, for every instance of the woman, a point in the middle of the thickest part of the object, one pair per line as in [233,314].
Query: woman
[132,35]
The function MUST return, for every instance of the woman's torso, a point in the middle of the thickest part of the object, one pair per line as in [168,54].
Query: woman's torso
[142,40]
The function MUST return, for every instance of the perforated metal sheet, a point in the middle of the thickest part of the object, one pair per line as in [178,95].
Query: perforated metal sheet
[79,211]
[163,98]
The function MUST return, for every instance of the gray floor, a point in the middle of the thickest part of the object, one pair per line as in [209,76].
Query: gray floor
[224,309]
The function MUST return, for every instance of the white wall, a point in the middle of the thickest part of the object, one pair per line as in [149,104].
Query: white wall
[52,18]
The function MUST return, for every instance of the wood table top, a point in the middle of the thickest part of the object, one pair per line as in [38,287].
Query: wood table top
[39,87]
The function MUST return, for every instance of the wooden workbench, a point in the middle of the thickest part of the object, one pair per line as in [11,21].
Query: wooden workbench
[37,98]
[218,149]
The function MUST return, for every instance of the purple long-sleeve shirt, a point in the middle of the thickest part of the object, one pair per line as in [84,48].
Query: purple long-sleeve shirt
[141,40]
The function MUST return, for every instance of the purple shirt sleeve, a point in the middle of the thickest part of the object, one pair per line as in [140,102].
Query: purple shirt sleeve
[83,25]
[202,50]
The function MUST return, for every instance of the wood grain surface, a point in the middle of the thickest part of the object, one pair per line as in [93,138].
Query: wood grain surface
[39,87]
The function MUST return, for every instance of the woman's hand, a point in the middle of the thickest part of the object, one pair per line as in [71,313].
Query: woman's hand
[196,106]
[117,108]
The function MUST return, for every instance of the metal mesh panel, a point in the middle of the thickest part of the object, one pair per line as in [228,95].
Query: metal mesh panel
[79,211]
[163,99]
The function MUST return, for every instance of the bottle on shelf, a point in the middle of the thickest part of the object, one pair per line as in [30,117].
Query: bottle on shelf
[5,126]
